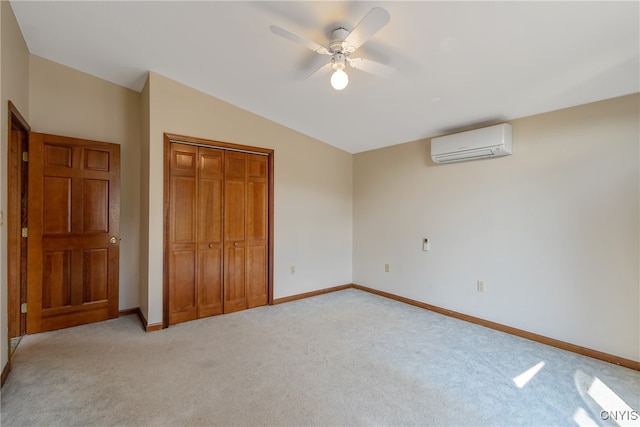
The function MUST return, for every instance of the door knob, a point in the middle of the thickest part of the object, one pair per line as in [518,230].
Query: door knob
[235,244]
[113,240]
[210,245]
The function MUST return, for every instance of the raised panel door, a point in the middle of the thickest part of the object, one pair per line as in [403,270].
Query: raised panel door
[73,237]
[183,181]
[257,230]
[235,205]
[210,272]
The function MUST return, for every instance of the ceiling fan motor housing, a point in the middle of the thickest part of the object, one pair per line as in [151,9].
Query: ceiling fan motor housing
[337,44]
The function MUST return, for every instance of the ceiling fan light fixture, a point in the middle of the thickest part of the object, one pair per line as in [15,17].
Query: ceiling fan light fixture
[339,79]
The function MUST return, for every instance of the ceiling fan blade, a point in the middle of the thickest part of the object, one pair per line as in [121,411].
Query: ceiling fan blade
[372,67]
[324,67]
[299,39]
[367,27]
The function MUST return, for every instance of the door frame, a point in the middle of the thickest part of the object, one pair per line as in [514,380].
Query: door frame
[17,182]
[181,139]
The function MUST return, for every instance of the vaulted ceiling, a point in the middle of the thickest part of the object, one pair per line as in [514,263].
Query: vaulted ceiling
[457,64]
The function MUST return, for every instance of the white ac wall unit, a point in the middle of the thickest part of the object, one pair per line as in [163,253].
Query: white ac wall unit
[492,141]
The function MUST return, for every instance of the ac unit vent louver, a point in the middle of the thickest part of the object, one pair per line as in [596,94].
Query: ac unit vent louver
[492,141]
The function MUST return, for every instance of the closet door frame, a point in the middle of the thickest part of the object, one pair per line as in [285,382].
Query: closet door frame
[173,138]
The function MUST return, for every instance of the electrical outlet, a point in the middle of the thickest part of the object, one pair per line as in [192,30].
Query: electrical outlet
[480,285]
[387,268]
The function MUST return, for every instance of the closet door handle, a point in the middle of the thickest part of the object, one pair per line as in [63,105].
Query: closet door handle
[235,244]
[210,245]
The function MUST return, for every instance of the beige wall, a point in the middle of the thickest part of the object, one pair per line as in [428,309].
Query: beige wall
[312,181]
[552,230]
[14,87]
[64,101]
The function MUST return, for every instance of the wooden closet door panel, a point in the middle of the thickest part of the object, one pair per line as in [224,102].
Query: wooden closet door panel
[257,199]
[256,268]
[183,207]
[234,197]
[210,278]
[257,230]
[182,289]
[209,282]
[182,233]
[235,296]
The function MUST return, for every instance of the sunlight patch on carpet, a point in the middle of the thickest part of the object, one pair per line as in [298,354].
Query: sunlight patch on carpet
[522,379]
[583,419]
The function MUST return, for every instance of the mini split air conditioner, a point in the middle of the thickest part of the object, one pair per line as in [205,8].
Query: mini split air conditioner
[492,141]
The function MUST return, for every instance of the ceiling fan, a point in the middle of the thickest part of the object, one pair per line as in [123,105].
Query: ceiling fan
[343,44]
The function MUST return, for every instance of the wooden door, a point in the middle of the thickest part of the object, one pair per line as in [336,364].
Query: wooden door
[257,226]
[235,295]
[245,231]
[182,233]
[209,243]
[195,237]
[218,231]
[73,232]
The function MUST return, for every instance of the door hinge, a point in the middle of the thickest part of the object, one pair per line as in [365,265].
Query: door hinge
[23,307]
[25,232]
[25,156]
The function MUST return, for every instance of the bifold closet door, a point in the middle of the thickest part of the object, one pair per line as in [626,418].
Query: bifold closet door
[219,251]
[209,261]
[245,231]
[195,255]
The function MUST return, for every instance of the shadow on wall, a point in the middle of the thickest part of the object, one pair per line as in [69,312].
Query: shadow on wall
[475,125]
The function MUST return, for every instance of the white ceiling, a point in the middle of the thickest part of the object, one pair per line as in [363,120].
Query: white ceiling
[459,64]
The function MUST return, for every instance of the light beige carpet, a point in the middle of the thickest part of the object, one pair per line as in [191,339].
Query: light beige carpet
[346,358]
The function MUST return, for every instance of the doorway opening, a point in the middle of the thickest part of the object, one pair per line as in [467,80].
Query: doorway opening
[17,186]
